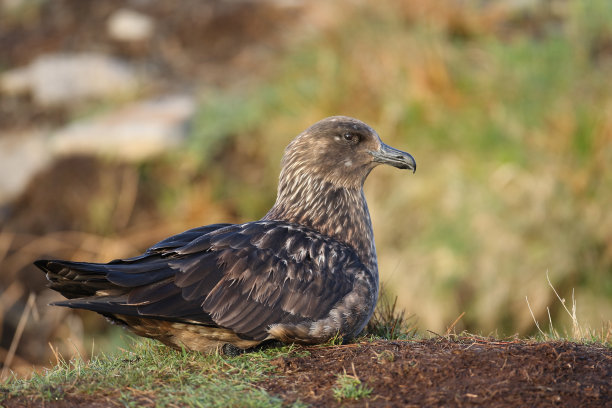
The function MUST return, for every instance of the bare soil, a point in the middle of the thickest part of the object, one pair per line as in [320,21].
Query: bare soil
[465,372]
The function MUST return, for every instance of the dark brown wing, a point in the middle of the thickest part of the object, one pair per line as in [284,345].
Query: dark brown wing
[107,288]
[264,273]
[243,277]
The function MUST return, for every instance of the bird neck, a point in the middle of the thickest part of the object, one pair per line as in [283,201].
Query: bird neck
[338,212]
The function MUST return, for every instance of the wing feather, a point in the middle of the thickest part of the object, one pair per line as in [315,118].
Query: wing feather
[279,275]
[179,240]
[244,277]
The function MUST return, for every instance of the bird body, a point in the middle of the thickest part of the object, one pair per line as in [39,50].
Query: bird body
[304,273]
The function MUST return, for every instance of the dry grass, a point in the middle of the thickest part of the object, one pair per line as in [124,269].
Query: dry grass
[578,331]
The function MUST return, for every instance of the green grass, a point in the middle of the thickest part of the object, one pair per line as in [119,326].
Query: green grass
[350,387]
[149,371]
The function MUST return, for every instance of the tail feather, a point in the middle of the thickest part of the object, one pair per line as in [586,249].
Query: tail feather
[72,280]
[100,304]
[121,288]
[113,307]
[82,279]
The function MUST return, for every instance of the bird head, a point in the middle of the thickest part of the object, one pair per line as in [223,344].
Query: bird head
[342,151]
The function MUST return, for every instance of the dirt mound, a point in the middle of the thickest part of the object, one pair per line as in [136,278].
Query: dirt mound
[442,372]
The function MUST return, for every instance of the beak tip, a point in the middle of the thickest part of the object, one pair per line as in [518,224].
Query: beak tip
[393,157]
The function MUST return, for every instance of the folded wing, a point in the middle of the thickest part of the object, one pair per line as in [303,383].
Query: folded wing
[241,277]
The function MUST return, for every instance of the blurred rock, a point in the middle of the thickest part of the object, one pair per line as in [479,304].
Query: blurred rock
[21,157]
[129,25]
[132,133]
[57,79]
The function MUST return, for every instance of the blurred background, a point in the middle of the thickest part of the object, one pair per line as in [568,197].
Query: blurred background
[125,121]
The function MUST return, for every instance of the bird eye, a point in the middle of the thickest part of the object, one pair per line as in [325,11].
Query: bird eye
[350,137]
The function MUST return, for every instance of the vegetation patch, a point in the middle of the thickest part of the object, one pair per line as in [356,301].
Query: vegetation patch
[152,374]
[350,387]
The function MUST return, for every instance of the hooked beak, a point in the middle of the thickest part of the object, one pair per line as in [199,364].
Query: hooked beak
[396,158]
